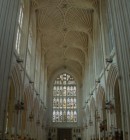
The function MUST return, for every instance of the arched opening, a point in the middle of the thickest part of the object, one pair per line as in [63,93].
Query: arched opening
[114,104]
[64,99]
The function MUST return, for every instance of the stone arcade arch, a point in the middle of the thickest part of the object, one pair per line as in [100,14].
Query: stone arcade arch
[114,102]
[14,96]
[100,101]
[30,112]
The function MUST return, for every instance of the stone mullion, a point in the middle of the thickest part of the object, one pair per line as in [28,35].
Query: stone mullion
[120,56]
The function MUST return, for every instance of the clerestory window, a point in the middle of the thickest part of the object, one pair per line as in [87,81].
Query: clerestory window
[19,28]
[64,99]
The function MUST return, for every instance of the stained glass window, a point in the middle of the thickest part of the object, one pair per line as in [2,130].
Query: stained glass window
[64,99]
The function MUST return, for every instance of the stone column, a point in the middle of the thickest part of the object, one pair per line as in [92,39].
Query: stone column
[8,24]
[121,25]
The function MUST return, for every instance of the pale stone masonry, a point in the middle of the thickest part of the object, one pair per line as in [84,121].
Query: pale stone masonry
[8,24]
[89,40]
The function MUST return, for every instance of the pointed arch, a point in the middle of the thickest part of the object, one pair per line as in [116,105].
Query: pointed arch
[14,94]
[99,96]
[114,95]
[64,99]
[111,80]
[17,80]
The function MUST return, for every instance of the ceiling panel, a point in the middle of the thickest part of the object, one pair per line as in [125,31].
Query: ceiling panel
[66,27]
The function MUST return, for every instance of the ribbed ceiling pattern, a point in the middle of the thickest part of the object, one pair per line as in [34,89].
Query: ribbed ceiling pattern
[75,54]
[77,39]
[79,19]
[66,27]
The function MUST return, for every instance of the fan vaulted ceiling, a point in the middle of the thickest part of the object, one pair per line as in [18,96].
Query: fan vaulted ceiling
[66,28]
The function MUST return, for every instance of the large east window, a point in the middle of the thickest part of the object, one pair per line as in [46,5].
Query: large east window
[64,99]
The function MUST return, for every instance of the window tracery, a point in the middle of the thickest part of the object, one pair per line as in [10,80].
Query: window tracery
[64,99]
